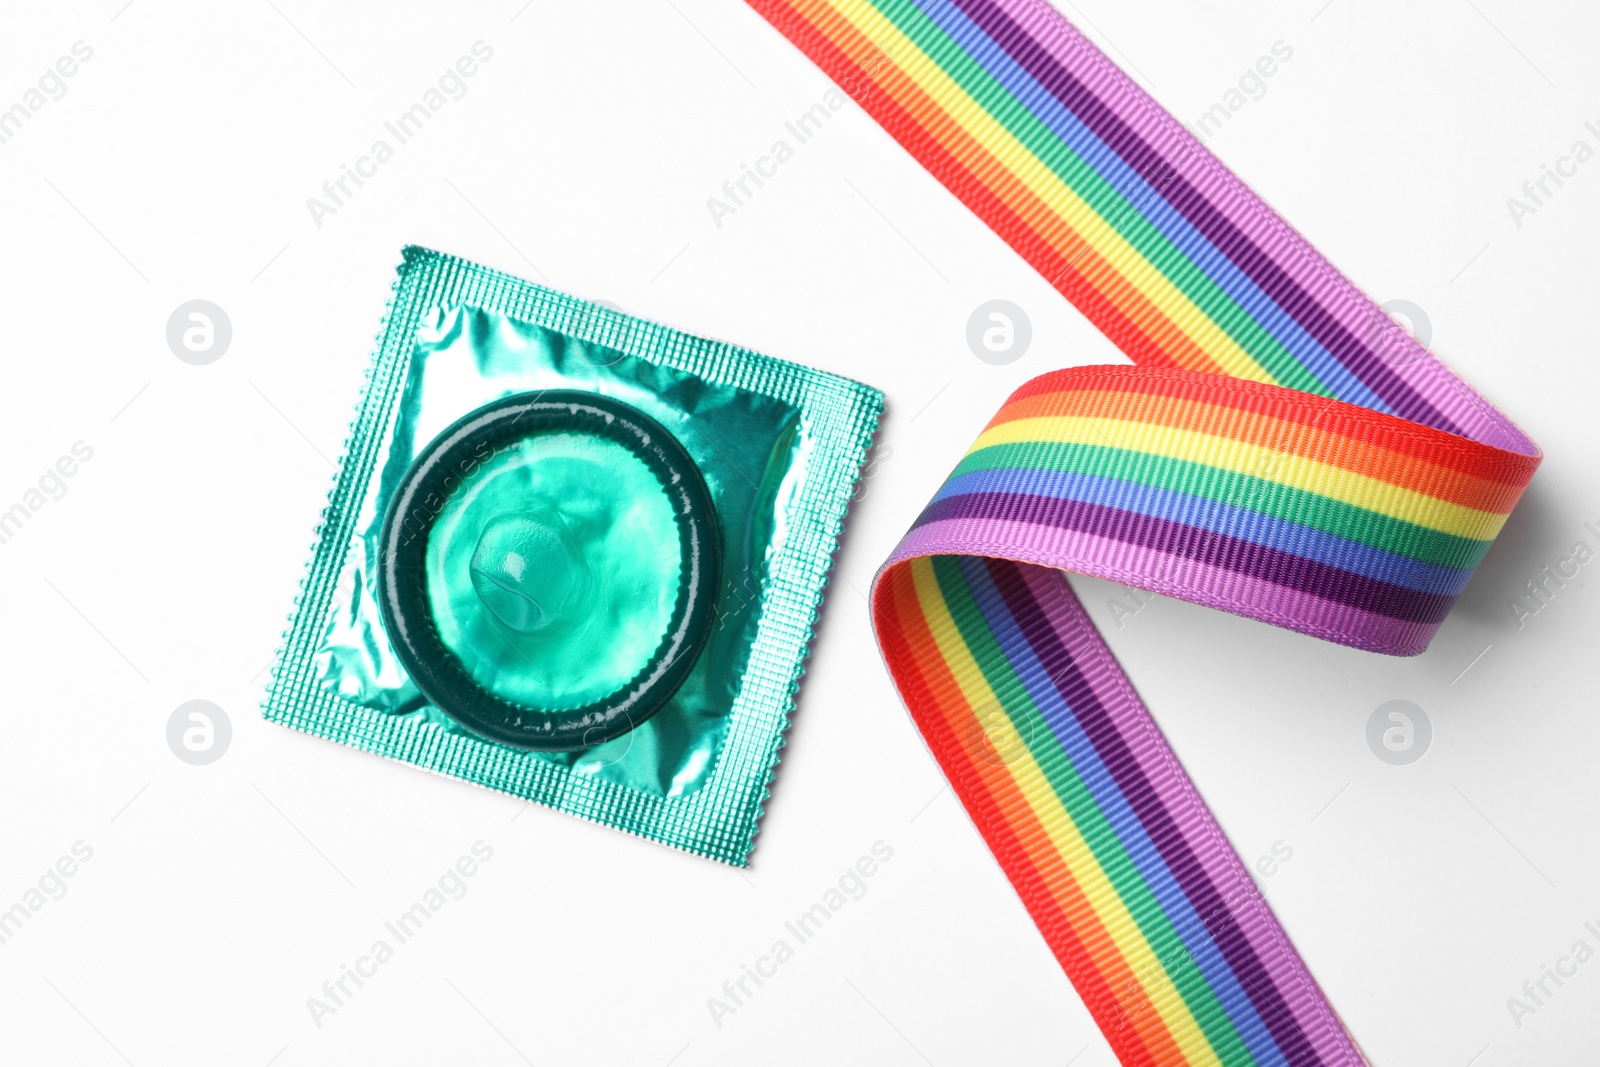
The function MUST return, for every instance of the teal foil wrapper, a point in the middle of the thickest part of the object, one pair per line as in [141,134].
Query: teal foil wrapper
[780,447]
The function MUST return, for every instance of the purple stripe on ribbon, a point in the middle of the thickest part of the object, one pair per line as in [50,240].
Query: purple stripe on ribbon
[1163,572]
[1126,713]
[1203,546]
[1220,915]
[1308,309]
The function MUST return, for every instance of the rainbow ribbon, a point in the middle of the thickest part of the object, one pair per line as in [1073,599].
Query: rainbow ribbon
[1281,449]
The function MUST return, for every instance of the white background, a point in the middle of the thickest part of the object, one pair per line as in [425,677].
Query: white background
[220,898]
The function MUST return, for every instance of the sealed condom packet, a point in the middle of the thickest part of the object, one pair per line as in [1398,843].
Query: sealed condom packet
[574,556]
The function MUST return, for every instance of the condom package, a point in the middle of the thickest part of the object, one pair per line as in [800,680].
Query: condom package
[574,556]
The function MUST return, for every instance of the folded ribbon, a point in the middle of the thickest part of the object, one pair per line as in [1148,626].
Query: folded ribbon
[1281,449]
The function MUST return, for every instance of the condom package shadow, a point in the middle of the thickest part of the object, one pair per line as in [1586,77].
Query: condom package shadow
[574,556]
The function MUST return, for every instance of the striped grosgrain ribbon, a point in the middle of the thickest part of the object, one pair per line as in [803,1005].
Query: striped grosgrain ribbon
[1280,449]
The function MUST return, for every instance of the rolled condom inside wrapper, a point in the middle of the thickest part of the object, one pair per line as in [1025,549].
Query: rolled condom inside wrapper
[574,556]
[548,571]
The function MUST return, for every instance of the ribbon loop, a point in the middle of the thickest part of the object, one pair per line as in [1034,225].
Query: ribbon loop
[1324,517]
[1282,449]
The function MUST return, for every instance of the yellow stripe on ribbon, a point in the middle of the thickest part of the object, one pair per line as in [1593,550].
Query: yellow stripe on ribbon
[1053,818]
[1256,461]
